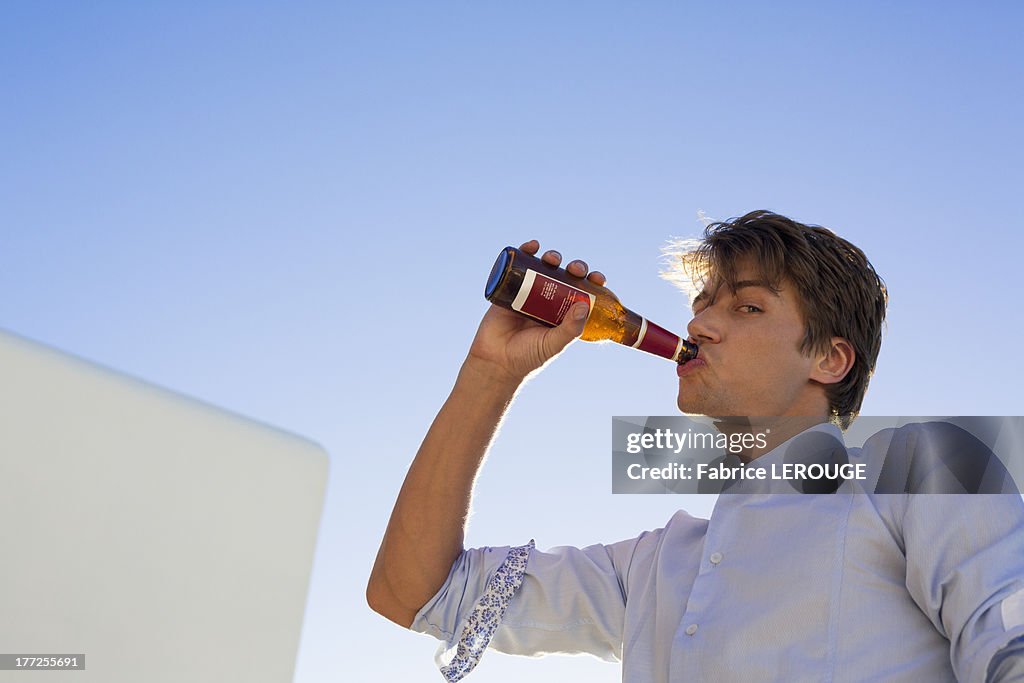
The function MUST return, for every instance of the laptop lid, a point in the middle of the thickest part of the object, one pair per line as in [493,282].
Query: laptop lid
[162,538]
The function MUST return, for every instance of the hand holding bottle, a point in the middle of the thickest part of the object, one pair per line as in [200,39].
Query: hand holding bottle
[510,346]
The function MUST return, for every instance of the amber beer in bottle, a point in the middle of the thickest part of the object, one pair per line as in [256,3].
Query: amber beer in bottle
[525,284]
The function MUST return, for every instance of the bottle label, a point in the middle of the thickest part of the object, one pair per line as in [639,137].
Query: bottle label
[659,341]
[547,299]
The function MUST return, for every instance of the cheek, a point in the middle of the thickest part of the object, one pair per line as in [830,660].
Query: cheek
[777,364]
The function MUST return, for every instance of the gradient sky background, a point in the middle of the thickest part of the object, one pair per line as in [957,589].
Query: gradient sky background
[290,209]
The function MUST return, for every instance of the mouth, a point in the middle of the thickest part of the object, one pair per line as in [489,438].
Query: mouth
[690,366]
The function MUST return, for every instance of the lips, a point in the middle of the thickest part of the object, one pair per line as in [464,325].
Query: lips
[690,366]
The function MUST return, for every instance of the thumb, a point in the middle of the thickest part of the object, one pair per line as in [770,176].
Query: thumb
[571,326]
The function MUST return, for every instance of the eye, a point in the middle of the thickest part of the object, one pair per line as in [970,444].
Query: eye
[750,308]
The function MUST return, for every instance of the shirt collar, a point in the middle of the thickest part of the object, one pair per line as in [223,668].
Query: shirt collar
[821,444]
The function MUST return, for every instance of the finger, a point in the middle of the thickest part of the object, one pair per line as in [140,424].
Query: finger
[578,268]
[570,328]
[552,257]
[530,247]
[598,278]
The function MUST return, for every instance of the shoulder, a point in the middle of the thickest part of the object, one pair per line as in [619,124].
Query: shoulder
[935,457]
[680,528]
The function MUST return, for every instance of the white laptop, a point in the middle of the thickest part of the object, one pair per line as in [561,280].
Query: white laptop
[158,538]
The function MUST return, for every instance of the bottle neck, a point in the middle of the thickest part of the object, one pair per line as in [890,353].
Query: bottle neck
[655,339]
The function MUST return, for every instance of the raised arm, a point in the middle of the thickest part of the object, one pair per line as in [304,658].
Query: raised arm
[425,533]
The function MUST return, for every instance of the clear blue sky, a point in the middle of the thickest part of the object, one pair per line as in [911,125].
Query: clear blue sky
[289,209]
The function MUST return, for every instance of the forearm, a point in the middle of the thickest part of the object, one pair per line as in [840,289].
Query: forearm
[426,530]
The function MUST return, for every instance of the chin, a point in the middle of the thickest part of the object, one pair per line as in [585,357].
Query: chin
[689,406]
[701,405]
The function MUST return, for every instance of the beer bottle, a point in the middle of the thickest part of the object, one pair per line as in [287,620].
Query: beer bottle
[531,287]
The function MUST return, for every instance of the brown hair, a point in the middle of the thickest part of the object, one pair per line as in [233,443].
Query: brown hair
[839,292]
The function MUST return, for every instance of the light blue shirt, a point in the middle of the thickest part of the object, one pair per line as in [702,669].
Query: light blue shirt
[774,587]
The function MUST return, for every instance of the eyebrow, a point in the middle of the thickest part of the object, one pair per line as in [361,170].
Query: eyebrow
[742,284]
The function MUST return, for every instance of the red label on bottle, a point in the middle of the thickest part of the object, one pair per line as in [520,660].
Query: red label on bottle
[547,299]
[659,341]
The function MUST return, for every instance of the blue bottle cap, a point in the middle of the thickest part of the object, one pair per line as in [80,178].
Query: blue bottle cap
[497,272]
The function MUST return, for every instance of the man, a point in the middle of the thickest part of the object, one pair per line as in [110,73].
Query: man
[857,587]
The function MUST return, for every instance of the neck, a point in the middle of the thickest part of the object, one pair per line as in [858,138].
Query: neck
[776,430]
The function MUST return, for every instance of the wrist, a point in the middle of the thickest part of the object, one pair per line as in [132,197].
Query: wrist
[490,375]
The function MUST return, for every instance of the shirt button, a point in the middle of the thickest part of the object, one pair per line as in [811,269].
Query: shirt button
[715,558]
[691,629]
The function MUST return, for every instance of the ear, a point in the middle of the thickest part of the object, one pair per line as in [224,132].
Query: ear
[833,365]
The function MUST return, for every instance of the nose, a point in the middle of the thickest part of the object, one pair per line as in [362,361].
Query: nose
[703,328]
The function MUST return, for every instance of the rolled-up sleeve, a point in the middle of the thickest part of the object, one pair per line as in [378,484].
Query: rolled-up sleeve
[564,600]
[965,569]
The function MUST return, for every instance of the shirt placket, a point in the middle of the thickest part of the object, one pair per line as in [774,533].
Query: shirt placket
[691,636]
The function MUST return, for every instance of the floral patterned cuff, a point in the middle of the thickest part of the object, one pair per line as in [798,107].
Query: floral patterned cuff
[487,613]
